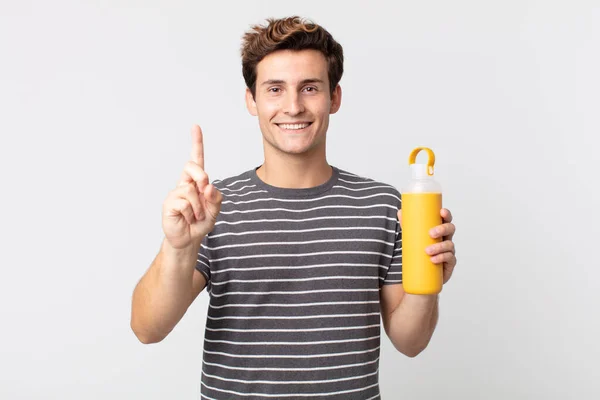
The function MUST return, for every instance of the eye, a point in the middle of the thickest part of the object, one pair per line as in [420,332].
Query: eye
[310,89]
[274,90]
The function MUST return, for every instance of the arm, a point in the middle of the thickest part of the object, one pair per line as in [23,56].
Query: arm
[165,292]
[171,284]
[409,320]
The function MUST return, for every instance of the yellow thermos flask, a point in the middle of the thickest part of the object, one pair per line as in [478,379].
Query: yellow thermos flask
[421,206]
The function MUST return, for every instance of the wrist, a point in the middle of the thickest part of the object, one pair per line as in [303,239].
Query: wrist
[184,257]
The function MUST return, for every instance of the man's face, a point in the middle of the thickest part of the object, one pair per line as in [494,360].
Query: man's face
[293,101]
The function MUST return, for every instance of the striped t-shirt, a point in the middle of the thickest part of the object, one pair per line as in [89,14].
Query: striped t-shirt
[294,277]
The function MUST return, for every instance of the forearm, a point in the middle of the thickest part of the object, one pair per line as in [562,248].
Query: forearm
[413,322]
[164,293]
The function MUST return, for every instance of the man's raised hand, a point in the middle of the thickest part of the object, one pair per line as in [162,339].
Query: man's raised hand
[191,209]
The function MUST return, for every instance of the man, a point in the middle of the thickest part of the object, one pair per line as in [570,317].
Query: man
[300,258]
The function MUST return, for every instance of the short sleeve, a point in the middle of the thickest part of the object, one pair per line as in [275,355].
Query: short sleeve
[394,272]
[203,260]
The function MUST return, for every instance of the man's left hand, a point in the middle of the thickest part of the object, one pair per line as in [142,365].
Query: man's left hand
[444,251]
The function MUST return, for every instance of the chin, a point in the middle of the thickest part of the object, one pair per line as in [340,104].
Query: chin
[295,150]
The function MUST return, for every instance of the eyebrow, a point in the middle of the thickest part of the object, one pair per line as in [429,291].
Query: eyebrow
[279,81]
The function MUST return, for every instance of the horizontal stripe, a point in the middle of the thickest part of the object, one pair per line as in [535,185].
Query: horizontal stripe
[363,188]
[265,210]
[280,231]
[245,194]
[346,173]
[345,217]
[333,196]
[358,182]
[291,343]
[347,353]
[343,328]
[294,292]
[238,181]
[237,190]
[320,253]
[348,378]
[291,394]
[293,369]
[317,278]
[296,267]
[294,316]
[323,303]
[230,246]
[203,396]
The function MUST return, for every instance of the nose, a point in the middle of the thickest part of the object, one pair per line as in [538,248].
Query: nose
[293,104]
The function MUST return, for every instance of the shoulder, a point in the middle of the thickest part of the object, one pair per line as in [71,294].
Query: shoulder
[234,183]
[356,183]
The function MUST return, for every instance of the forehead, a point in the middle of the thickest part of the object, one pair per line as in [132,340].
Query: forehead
[292,66]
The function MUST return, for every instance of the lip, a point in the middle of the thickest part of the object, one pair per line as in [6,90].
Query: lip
[294,123]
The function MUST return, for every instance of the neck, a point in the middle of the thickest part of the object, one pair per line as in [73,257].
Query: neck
[295,172]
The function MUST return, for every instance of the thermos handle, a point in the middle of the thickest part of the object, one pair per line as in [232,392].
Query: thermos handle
[430,158]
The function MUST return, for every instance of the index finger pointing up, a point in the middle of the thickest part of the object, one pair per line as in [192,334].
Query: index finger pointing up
[197,146]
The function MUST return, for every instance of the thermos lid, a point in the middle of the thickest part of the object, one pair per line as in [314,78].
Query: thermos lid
[419,171]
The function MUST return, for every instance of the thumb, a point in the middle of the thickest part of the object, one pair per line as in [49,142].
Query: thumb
[213,198]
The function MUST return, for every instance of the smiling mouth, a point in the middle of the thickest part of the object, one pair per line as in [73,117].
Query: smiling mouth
[294,127]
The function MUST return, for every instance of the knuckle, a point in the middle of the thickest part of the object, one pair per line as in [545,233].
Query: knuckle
[183,189]
[190,190]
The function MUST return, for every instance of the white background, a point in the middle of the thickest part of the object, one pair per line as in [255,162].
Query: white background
[96,104]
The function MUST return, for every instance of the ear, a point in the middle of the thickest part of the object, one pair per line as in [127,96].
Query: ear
[336,100]
[250,103]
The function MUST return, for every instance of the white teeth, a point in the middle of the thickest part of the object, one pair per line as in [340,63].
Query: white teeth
[293,126]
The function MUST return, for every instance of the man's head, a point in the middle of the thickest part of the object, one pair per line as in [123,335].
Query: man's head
[292,69]
[291,33]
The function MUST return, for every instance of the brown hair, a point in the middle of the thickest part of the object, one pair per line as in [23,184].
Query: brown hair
[292,33]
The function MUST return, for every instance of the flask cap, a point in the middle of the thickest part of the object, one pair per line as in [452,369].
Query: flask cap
[421,170]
